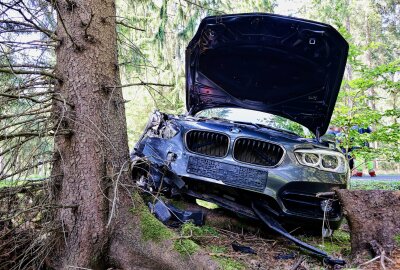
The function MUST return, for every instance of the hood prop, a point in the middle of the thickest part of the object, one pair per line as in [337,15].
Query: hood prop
[317,135]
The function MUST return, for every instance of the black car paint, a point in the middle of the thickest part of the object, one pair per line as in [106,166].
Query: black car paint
[281,65]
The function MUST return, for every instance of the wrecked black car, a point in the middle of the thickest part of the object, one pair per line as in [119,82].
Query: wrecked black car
[255,84]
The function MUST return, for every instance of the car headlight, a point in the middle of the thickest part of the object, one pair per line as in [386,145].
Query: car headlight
[322,159]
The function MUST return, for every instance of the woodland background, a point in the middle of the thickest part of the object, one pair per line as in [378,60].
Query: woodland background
[152,37]
[69,206]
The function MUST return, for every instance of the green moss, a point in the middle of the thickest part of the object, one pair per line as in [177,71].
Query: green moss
[341,236]
[229,264]
[189,229]
[338,243]
[224,262]
[151,228]
[397,239]
[217,249]
[330,247]
[186,246]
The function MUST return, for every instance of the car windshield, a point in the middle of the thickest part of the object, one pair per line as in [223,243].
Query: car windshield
[257,118]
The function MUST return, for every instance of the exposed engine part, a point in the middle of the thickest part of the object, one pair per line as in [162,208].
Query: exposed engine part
[326,206]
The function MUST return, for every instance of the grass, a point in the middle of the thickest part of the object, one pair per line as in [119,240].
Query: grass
[11,183]
[338,243]
[21,180]
[186,246]
[224,262]
[189,229]
[206,204]
[374,185]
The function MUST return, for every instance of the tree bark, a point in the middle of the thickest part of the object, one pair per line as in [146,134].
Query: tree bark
[95,157]
[373,215]
[91,171]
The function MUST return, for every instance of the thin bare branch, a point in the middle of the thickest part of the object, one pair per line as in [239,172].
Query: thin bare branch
[129,26]
[27,72]
[142,83]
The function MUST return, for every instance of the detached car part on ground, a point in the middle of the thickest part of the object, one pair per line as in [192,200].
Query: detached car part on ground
[261,63]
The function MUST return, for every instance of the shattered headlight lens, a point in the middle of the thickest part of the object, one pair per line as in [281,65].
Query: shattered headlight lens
[322,159]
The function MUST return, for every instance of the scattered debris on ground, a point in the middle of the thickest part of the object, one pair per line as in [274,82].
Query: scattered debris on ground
[237,244]
[167,212]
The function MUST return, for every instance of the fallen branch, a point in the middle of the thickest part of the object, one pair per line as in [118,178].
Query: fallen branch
[297,264]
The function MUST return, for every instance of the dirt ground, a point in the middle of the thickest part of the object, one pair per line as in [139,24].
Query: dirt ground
[276,252]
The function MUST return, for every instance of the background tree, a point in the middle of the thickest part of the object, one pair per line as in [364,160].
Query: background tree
[369,94]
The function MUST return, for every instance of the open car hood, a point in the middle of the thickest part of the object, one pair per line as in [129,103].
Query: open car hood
[280,65]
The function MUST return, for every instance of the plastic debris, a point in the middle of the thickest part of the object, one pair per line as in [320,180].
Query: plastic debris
[197,217]
[160,210]
[166,213]
[243,249]
[277,227]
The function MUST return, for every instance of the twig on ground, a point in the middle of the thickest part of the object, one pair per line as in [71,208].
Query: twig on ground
[297,264]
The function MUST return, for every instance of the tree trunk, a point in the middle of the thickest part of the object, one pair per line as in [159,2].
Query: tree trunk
[373,216]
[95,156]
[91,179]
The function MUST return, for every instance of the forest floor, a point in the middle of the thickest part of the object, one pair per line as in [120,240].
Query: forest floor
[276,252]
[272,251]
